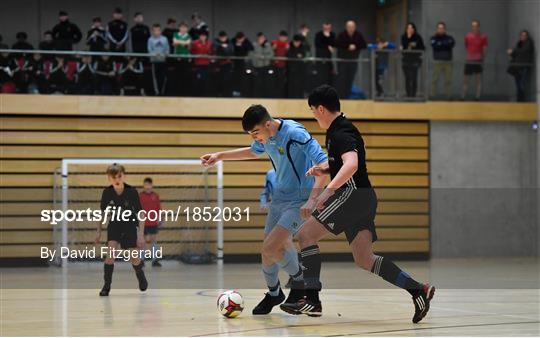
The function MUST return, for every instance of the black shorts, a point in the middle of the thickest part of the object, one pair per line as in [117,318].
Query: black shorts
[473,68]
[151,230]
[125,234]
[350,211]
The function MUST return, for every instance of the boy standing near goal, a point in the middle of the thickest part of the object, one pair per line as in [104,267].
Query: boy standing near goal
[348,204]
[292,152]
[150,202]
[129,234]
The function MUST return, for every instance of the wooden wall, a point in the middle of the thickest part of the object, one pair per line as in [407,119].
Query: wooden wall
[34,140]
[33,147]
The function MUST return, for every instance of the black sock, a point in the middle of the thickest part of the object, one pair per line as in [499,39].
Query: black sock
[391,273]
[311,261]
[107,274]
[274,289]
[138,268]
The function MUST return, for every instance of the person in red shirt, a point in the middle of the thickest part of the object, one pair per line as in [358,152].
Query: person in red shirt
[202,46]
[150,202]
[280,47]
[476,45]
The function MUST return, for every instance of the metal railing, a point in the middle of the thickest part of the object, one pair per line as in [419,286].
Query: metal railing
[379,74]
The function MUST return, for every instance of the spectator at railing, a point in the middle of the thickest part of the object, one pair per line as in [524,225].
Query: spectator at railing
[296,70]
[169,31]
[117,32]
[262,52]
[20,72]
[280,47]
[65,33]
[411,45]
[47,44]
[242,47]
[105,71]
[182,45]
[131,77]
[85,77]
[158,47]
[19,66]
[22,43]
[223,48]
[303,31]
[476,46]
[171,28]
[381,62]
[139,33]
[261,60]
[182,40]
[198,26]
[96,38]
[57,79]
[37,80]
[349,44]
[325,41]
[201,46]
[442,45]
[6,74]
[521,64]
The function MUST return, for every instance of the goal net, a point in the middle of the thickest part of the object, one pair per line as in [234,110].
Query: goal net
[184,188]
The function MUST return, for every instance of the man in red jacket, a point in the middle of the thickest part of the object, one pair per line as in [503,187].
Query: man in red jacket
[150,202]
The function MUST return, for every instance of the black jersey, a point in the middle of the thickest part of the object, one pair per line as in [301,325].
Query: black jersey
[128,200]
[341,137]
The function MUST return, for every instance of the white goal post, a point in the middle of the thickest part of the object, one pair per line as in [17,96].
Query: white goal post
[107,161]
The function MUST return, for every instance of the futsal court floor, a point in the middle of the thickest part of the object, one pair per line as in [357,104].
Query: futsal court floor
[474,297]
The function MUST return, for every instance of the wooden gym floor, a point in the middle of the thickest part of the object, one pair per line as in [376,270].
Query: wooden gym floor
[475,297]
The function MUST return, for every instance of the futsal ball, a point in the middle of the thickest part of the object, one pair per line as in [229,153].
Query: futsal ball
[230,303]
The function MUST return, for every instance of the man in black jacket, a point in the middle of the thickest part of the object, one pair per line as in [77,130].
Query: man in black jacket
[65,33]
[169,31]
[96,38]
[349,44]
[117,32]
[296,70]
[325,42]
[242,46]
[22,42]
[223,48]
[139,34]
[47,44]
[198,26]
[442,45]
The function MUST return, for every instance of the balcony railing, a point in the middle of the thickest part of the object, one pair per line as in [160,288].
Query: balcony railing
[389,75]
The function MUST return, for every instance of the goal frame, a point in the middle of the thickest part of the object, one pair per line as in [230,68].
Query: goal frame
[64,171]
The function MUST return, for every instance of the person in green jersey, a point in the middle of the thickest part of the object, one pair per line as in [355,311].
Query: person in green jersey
[182,44]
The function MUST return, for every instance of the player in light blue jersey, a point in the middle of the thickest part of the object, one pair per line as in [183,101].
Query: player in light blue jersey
[293,152]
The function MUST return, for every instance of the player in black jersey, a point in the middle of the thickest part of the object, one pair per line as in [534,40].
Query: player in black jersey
[348,204]
[129,234]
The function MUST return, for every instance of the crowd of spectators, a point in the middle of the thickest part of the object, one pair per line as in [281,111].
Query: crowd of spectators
[184,61]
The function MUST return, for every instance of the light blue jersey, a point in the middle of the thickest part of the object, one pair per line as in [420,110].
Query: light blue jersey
[292,152]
